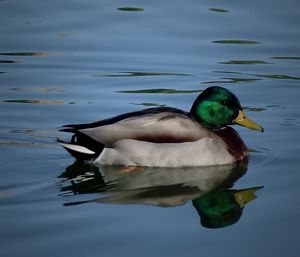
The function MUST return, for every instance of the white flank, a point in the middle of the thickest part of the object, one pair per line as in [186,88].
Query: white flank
[206,151]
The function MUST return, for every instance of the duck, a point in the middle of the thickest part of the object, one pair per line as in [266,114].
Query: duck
[166,136]
[222,208]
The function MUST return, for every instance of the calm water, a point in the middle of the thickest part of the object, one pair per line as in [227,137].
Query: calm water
[78,61]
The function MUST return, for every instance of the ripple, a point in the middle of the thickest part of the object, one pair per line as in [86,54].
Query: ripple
[231,80]
[286,58]
[283,107]
[236,41]
[16,189]
[140,74]
[20,143]
[267,76]
[227,72]
[130,9]
[290,122]
[149,104]
[27,101]
[261,156]
[37,89]
[277,76]
[33,132]
[159,91]
[8,61]
[65,34]
[245,62]
[220,10]
[254,109]
[25,54]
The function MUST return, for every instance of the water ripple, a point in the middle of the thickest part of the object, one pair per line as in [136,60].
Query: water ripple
[38,89]
[149,104]
[140,74]
[245,62]
[9,61]
[261,156]
[20,143]
[25,53]
[159,91]
[29,101]
[236,41]
[266,76]
[220,10]
[231,80]
[130,9]
[286,58]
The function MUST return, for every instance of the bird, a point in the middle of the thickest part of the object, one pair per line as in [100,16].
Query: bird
[166,136]
[221,208]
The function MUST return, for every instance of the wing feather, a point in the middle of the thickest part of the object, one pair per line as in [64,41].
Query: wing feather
[161,127]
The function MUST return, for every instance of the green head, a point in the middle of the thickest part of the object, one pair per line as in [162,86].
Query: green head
[222,208]
[218,209]
[217,107]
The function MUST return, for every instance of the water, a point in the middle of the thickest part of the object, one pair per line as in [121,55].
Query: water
[72,61]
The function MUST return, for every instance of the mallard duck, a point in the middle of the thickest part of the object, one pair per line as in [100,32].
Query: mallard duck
[223,208]
[166,136]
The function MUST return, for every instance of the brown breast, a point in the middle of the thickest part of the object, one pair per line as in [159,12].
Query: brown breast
[234,143]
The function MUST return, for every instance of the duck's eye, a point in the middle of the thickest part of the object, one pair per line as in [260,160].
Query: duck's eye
[224,102]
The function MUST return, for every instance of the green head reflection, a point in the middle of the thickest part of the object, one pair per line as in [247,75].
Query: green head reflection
[223,208]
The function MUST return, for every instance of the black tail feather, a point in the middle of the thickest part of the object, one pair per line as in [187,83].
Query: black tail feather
[68,129]
[85,141]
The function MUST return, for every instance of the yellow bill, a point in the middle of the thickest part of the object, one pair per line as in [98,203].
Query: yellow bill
[244,121]
[244,196]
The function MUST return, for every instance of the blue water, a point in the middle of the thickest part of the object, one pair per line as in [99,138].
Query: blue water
[78,61]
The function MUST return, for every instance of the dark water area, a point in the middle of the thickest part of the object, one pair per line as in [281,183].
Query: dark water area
[80,61]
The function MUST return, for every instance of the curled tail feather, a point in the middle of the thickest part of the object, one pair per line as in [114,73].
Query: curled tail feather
[82,147]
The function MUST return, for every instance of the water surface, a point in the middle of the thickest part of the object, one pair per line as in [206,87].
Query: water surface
[72,61]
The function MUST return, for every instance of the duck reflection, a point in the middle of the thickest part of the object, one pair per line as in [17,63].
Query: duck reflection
[207,187]
[223,208]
